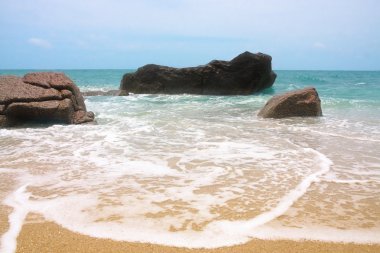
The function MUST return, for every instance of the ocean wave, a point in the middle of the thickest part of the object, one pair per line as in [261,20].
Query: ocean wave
[192,171]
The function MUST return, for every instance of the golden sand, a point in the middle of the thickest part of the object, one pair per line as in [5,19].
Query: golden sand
[50,237]
[4,213]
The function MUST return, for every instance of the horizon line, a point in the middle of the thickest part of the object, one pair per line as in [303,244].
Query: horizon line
[40,69]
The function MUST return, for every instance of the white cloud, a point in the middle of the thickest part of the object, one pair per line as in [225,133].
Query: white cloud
[40,42]
[319,45]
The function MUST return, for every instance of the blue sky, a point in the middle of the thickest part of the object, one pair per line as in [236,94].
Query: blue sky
[299,34]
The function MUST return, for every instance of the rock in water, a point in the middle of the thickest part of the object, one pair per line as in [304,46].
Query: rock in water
[42,97]
[245,74]
[105,93]
[299,103]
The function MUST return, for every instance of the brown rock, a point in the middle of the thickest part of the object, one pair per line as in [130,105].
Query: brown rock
[299,103]
[245,74]
[81,117]
[66,93]
[123,93]
[3,121]
[48,79]
[13,89]
[58,81]
[45,111]
[43,97]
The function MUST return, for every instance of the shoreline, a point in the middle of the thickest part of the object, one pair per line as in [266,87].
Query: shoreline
[179,162]
[50,237]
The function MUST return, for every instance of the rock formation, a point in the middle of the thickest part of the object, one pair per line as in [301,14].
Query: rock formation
[245,74]
[42,97]
[299,103]
[104,93]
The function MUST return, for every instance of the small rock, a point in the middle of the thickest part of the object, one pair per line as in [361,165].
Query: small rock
[299,103]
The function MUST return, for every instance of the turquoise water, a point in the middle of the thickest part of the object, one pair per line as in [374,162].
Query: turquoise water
[86,79]
[357,92]
[363,85]
[354,85]
[204,171]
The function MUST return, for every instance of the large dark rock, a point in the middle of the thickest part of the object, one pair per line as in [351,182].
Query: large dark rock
[299,103]
[243,75]
[43,97]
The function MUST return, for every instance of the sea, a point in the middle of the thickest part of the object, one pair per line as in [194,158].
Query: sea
[201,171]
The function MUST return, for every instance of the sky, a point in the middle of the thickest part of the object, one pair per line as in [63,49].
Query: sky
[117,34]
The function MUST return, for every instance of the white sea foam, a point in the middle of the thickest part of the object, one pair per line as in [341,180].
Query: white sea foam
[286,202]
[318,233]
[8,170]
[141,168]
[17,200]
[80,218]
[327,132]
[340,135]
[334,179]
[153,171]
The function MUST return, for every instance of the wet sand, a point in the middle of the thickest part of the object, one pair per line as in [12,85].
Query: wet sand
[50,237]
[4,213]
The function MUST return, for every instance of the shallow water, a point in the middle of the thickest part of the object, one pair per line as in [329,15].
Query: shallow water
[205,171]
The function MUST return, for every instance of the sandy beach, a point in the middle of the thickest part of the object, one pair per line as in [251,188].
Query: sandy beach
[191,126]
[49,237]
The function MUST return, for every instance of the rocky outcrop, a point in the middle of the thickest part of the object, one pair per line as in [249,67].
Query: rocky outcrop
[105,93]
[243,75]
[42,97]
[299,103]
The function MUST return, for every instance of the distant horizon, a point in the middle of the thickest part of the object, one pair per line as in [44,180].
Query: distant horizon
[326,70]
[309,35]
